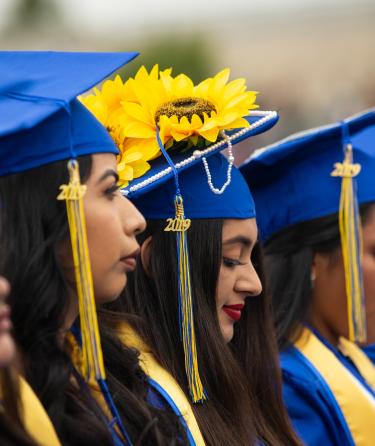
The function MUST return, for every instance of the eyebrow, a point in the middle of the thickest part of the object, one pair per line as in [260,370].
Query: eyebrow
[108,173]
[238,239]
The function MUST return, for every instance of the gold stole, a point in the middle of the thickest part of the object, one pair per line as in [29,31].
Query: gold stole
[35,418]
[356,403]
[165,380]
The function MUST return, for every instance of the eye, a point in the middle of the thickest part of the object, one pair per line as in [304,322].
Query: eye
[111,191]
[230,263]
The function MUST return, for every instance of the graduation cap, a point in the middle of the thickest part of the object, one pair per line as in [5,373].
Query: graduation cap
[313,174]
[175,131]
[42,122]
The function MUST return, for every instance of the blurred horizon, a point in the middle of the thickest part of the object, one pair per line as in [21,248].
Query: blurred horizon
[313,62]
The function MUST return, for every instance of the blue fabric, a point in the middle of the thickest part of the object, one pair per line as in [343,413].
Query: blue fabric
[314,412]
[199,200]
[291,180]
[161,400]
[41,121]
[156,199]
[370,352]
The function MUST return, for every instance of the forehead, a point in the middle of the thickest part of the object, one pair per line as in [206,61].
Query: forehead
[240,227]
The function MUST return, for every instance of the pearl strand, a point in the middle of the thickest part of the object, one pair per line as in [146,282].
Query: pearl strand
[214,189]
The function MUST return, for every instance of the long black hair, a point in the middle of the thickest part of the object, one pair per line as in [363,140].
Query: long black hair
[242,378]
[289,259]
[33,226]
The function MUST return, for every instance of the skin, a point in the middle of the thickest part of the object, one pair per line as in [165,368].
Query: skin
[238,278]
[112,224]
[329,295]
[7,346]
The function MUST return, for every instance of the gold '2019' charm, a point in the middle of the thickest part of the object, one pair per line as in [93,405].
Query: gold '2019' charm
[179,223]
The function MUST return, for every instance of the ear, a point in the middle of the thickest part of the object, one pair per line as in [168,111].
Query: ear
[146,254]
[320,265]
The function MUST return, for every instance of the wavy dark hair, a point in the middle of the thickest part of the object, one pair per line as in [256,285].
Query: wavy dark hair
[289,257]
[12,430]
[33,225]
[242,378]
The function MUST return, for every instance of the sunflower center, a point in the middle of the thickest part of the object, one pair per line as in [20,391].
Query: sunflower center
[185,107]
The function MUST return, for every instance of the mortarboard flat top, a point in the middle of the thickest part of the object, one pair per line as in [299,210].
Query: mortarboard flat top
[40,119]
[291,180]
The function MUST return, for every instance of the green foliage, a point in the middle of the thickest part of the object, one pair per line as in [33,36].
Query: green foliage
[185,54]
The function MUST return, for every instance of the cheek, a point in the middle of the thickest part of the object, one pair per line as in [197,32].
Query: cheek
[7,349]
[104,233]
[224,287]
[368,267]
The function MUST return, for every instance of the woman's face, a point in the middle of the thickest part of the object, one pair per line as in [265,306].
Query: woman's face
[237,277]
[112,223]
[7,346]
[329,294]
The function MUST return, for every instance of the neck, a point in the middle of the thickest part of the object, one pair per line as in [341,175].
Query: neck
[323,328]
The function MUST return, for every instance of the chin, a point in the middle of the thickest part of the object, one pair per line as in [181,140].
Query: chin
[112,292]
[7,349]
[228,332]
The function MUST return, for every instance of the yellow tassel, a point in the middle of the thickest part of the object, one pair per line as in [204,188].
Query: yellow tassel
[72,193]
[180,225]
[351,245]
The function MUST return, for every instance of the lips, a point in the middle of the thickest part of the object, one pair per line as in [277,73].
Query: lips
[130,262]
[234,311]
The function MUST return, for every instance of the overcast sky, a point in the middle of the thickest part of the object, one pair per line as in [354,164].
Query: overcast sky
[101,15]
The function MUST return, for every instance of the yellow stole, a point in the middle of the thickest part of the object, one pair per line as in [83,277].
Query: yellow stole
[35,418]
[356,403]
[165,380]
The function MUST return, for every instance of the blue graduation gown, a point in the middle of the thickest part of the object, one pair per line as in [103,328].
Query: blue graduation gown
[370,352]
[315,413]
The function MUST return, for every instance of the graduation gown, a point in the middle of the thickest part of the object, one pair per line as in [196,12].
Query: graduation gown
[328,400]
[164,385]
[370,352]
[35,418]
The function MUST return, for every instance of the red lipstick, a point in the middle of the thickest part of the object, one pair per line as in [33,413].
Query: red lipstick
[234,311]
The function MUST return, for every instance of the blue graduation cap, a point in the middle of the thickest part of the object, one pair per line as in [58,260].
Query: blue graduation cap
[211,186]
[41,122]
[316,173]
[41,119]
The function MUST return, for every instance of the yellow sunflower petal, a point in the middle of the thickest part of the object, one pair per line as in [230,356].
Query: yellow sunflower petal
[211,135]
[137,129]
[125,173]
[136,111]
[140,168]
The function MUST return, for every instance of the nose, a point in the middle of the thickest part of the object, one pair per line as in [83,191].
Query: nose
[249,282]
[134,222]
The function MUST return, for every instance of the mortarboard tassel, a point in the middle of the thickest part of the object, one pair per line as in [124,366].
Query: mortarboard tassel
[351,242]
[180,225]
[92,356]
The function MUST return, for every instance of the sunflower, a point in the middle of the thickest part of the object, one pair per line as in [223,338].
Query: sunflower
[185,114]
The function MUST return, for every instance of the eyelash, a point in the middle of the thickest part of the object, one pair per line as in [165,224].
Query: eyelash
[231,263]
[110,192]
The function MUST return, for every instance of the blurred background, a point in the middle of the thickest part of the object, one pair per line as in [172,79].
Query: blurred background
[312,60]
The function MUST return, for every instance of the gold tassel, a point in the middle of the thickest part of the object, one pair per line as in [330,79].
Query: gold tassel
[92,357]
[180,225]
[351,245]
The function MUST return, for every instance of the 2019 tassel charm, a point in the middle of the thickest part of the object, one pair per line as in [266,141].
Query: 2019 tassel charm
[351,245]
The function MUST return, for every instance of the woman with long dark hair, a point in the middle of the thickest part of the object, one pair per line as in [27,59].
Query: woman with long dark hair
[315,197]
[195,308]
[51,283]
